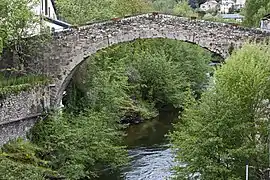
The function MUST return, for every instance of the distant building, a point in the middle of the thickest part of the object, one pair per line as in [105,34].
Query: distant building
[193,3]
[47,11]
[210,5]
[227,6]
[265,23]
[239,4]
[236,17]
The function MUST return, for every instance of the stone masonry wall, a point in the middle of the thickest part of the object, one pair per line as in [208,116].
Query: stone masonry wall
[18,113]
[16,129]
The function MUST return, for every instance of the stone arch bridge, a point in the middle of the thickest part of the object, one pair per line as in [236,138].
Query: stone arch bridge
[60,57]
[70,48]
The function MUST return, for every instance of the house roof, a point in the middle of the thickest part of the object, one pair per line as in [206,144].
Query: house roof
[227,1]
[266,17]
[53,3]
[211,1]
[58,22]
[54,7]
[232,16]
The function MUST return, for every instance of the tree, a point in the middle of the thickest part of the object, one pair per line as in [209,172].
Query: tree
[254,11]
[19,31]
[16,18]
[130,7]
[230,125]
[79,147]
[168,6]
[165,6]
[21,159]
[184,9]
[134,77]
[84,11]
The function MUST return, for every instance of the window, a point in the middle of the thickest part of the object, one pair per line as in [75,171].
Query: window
[42,8]
[46,7]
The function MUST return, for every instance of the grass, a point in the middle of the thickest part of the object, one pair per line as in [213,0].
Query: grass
[14,85]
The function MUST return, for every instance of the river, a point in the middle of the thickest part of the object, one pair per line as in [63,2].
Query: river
[149,151]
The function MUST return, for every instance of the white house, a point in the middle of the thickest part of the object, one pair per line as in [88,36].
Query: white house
[210,5]
[265,23]
[46,10]
[239,4]
[226,6]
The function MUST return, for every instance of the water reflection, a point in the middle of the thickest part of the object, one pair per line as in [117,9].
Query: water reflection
[149,163]
[151,157]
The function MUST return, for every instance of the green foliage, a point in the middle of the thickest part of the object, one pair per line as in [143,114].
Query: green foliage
[1,45]
[17,22]
[102,87]
[136,77]
[130,7]
[16,18]
[81,12]
[73,147]
[184,9]
[19,160]
[161,79]
[12,170]
[84,11]
[22,151]
[254,11]
[230,124]
[165,6]
[218,18]
[80,146]
[13,85]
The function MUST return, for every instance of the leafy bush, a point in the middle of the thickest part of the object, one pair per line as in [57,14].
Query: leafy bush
[231,123]
[79,147]
[254,11]
[73,147]
[137,76]
[85,11]
[183,8]
[20,160]
[12,170]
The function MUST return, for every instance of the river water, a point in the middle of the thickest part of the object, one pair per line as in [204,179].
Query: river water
[149,151]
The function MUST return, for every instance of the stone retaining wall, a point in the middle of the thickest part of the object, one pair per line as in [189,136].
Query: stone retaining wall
[18,113]
[16,129]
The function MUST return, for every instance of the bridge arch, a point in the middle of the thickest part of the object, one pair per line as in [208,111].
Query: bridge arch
[70,48]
